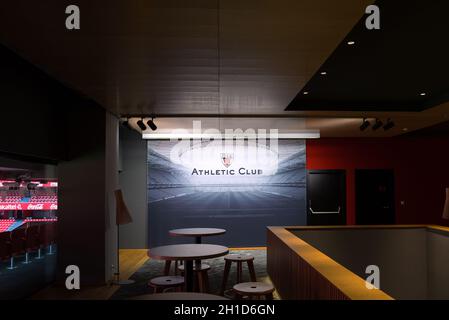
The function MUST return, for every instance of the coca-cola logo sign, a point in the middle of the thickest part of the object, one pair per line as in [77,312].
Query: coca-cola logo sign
[37,206]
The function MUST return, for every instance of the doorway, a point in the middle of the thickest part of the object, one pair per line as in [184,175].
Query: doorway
[326,195]
[374,197]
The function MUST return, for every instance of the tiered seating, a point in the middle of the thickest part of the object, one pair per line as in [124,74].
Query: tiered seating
[40,199]
[26,240]
[38,195]
[44,195]
[17,247]
[12,199]
[11,196]
[47,236]
[5,224]
[31,241]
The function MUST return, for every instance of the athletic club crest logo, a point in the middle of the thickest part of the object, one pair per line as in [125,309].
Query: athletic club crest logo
[226,159]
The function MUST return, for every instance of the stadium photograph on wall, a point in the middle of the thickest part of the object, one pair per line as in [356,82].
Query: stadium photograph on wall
[232,187]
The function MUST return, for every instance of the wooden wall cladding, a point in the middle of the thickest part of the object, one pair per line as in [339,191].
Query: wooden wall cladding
[293,277]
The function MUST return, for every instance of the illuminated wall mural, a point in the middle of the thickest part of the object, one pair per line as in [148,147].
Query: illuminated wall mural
[241,186]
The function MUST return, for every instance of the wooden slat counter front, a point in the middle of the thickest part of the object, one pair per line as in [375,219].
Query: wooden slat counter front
[301,272]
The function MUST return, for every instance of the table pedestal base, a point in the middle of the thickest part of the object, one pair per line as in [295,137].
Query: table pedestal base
[188,275]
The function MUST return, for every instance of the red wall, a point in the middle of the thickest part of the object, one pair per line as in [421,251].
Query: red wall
[421,167]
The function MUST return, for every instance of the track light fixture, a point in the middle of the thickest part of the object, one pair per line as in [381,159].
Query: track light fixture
[390,124]
[126,124]
[141,125]
[365,124]
[151,124]
[377,124]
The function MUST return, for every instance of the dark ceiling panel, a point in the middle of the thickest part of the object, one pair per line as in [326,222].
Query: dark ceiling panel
[438,130]
[386,69]
[181,56]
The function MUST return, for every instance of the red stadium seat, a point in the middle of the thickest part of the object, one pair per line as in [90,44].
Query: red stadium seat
[47,236]
[18,241]
[40,240]
[52,236]
[31,241]
[5,246]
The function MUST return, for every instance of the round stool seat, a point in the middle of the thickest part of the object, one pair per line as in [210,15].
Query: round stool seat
[204,267]
[166,281]
[253,288]
[239,257]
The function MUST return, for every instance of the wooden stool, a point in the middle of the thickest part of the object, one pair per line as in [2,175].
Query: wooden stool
[202,278]
[168,265]
[160,284]
[254,290]
[239,258]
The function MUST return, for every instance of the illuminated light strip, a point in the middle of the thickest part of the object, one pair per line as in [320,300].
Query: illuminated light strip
[168,136]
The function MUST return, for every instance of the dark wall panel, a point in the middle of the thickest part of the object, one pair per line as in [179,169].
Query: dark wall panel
[32,107]
[82,195]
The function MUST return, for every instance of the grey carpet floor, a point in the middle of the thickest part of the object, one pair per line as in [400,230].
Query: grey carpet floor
[153,268]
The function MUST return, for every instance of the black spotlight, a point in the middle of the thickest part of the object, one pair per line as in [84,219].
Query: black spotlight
[141,125]
[365,124]
[388,125]
[377,125]
[151,124]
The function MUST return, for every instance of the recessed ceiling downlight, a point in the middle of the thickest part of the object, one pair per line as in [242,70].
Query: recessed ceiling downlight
[351,43]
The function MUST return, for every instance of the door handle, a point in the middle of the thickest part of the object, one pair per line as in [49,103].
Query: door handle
[323,212]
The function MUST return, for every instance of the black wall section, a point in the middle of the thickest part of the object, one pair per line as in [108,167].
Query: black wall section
[32,109]
[386,69]
[82,195]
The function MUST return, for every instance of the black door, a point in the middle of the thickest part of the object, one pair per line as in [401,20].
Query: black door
[326,197]
[374,196]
